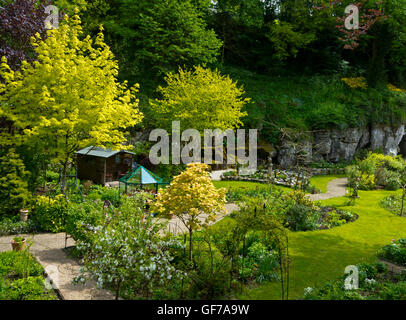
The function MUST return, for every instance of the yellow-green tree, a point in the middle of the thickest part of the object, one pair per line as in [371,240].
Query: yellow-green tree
[70,97]
[192,198]
[200,99]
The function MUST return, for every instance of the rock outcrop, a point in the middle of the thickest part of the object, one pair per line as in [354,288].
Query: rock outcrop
[336,145]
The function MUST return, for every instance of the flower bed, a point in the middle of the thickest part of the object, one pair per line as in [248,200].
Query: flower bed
[284,178]
[376,282]
[22,278]
[394,252]
[393,203]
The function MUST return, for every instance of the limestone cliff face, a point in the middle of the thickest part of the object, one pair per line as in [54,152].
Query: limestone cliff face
[335,145]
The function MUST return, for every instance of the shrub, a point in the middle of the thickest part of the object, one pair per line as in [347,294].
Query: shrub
[105,194]
[301,218]
[373,284]
[334,219]
[21,277]
[393,203]
[14,193]
[395,252]
[211,273]
[50,214]
[83,216]
[264,261]
[125,239]
[392,180]
[30,288]
[13,226]
[367,182]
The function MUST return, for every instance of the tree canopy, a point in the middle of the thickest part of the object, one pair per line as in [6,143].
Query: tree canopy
[70,97]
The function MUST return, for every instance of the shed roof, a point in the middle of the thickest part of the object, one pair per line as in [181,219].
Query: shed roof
[100,152]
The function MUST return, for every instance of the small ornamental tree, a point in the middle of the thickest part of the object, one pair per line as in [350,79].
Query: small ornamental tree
[70,98]
[200,99]
[13,185]
[192,198]
[126,252]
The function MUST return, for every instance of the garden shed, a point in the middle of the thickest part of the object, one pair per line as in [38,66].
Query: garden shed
[103,165]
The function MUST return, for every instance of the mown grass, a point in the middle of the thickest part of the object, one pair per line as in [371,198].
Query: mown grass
[245,185]
[319,256]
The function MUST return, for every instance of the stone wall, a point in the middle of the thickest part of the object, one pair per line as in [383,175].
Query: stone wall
[336,145]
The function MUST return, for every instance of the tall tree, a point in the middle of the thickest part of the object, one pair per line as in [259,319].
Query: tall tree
[70,98]
[200,99]
[152,37]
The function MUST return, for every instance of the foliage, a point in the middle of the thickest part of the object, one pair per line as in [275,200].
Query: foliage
[105,194]
[154,37]
[13,226]
[21,277]
[371,282]
[376,170]
[200,99]
[395,252]
[367,182]
[393,203]
[354,83]
[82,216]
[14,193]
[286,41]
[192,198]
[69,98]
[50,214]
[127,253]
[19,21]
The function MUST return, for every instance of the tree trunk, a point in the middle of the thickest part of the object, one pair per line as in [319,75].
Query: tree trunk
[63,178]
[190,244]
[118,288]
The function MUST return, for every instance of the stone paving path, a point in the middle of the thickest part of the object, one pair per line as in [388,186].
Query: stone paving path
[48,249]
[335,188]
[216,175]
[176,226]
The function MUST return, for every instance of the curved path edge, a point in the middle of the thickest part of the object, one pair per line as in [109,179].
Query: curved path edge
[335,188]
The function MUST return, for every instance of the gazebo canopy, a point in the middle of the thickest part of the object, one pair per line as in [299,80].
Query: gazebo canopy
[141,176]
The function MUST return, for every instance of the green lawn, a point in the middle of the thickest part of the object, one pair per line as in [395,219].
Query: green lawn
[318,256]
[322,181]
[244,185]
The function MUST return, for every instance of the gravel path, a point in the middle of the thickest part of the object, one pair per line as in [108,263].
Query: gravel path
[335,188]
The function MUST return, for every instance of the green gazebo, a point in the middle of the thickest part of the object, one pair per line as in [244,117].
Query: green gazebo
[139,177]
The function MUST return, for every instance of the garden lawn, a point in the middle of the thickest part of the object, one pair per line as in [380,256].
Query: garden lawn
[241,185]
[321,182]
[318,256]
